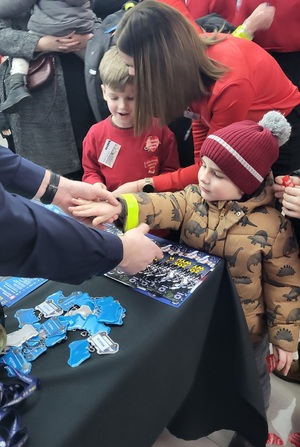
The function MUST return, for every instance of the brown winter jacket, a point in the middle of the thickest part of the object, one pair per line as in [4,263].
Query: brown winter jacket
[257,242]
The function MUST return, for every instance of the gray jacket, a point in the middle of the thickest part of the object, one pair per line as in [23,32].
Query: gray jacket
[42,129]
[52,17]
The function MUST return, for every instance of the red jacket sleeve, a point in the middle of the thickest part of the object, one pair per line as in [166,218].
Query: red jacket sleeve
[178,180]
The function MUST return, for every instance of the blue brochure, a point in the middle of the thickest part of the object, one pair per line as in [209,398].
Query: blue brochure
[13,289]
[172,279]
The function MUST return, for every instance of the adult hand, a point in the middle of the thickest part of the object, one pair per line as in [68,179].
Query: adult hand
[69,189]
[73,42]
[138,250]
[289,196]
[65,44]
[260,19]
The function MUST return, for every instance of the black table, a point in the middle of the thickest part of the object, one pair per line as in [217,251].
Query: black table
[189,368]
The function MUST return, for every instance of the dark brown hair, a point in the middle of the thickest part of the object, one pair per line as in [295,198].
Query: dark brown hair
[171,66]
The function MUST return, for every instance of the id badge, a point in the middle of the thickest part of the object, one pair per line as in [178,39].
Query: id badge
[109,153]
[17,338]
[103,343]
[49,309]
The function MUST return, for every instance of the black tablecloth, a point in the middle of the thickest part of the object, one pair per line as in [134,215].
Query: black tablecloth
[189,368]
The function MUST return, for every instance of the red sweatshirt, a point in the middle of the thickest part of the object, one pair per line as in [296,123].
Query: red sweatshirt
[181,7]
[152,153]
[283,36]
[253,85]
[200,8]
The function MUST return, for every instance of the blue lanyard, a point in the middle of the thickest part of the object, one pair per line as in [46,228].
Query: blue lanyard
[12,393]
[12,434]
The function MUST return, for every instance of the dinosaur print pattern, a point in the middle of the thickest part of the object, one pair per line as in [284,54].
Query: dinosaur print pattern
[231,260]
[254,239]
[293,316]
[289,246]
[284,334]
[253,260]
[194,228]
[261,238]
[293,295]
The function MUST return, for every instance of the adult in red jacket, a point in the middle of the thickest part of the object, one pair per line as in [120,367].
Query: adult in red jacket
[181,6]
[217,82]
[283,46]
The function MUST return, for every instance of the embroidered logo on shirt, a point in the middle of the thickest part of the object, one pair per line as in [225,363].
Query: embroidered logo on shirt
[152,144]
[151,165]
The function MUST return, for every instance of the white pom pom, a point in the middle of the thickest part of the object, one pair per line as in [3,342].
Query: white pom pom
[278,125]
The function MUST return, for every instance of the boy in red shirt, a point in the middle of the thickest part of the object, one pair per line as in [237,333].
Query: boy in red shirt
[112,153]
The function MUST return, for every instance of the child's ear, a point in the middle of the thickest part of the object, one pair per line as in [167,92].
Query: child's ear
[103,92]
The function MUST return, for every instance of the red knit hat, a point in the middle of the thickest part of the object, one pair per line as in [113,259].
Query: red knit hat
[245,151]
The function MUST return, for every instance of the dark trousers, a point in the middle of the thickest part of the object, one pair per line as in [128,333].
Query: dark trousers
[261,351]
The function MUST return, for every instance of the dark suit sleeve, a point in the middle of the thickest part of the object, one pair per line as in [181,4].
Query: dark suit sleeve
[19,175]
[36,242]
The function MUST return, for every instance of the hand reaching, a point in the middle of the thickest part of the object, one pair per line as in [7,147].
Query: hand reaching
[289,196]
[132,187]
[139,250]
[98,211]
[283,359]
[69,189]
[260,19]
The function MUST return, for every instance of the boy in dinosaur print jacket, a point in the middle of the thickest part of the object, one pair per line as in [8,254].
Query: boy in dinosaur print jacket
[231,214]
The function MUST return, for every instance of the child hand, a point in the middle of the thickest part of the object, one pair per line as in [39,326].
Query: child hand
[283,359]
[132,187]
[289,196]
[100,212]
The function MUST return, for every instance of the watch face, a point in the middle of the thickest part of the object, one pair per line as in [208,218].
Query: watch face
[148,187]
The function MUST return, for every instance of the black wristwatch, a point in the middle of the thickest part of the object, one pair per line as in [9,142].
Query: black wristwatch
[51,189]
[148,186]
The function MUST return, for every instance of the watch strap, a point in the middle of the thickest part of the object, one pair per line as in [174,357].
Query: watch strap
[148,185]
[51,189]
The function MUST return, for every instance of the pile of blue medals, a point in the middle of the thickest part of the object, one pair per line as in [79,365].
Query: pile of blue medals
[60,314]
[41,328]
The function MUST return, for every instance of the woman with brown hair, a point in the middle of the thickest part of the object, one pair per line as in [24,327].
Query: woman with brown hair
[213,79]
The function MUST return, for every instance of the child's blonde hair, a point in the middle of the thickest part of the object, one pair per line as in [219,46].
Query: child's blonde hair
[113,70]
